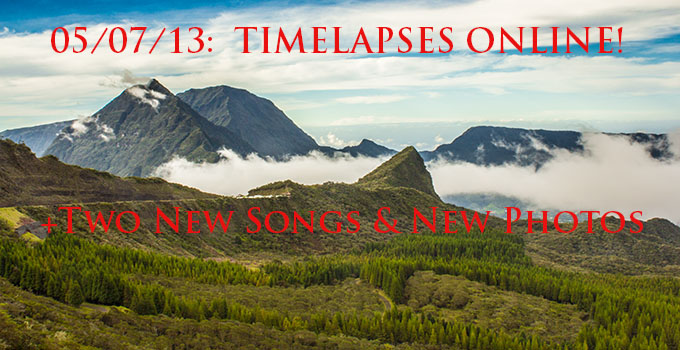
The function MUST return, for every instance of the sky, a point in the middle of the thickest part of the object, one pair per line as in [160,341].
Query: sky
[395,99]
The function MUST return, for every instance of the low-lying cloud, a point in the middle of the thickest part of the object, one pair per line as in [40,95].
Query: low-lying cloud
[612,174]
[236,175]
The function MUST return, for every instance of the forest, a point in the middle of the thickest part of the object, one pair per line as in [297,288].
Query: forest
[621,312]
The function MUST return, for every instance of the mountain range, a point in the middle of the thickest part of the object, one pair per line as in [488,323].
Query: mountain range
[198,122]
[38,186]
[147,125]
[142,128]
[496,145]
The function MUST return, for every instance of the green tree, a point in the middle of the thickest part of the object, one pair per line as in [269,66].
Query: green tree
[74,294]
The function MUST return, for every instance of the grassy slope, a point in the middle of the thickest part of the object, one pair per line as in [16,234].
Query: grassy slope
[27,180]
[405,169]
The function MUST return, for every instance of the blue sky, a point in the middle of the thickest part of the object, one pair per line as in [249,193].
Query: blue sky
[422,100]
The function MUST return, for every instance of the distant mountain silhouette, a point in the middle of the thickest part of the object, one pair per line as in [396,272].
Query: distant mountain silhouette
[38,137]
[495,145]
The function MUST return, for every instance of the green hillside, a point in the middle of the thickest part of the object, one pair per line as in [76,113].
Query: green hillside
[405,169]
[319,290]
[26,180]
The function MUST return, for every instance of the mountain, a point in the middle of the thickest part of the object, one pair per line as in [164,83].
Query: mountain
[365,148]
[28,180]
[411,187]
[146,125]
[368,148]
[495,145]
[38,137]
[658,146]
[142,128]
[405,169]
[255,119]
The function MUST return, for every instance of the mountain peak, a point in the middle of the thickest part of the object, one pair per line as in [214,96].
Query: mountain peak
[368,148]
[151,93]
[142,128]
[255,119]
[405,169]
[155,85]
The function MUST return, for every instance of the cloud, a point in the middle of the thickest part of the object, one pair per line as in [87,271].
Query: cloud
[80,126]
[151,97]
[86,124]
[123,80]
[371,99]
[439,139]
[236,175]
[34,76]
[332,140]
[612,174]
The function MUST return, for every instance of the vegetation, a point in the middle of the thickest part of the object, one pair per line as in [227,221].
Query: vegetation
[405,169]
[363,290]
[631,312]
[454,298]
[27,180]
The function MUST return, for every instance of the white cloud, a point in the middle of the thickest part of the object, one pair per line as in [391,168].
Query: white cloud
[86,124]
[35,76]
[150,97]
[612,175]
[107,133]
[332,140]
[80,126]
[123,80]
[250,172]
